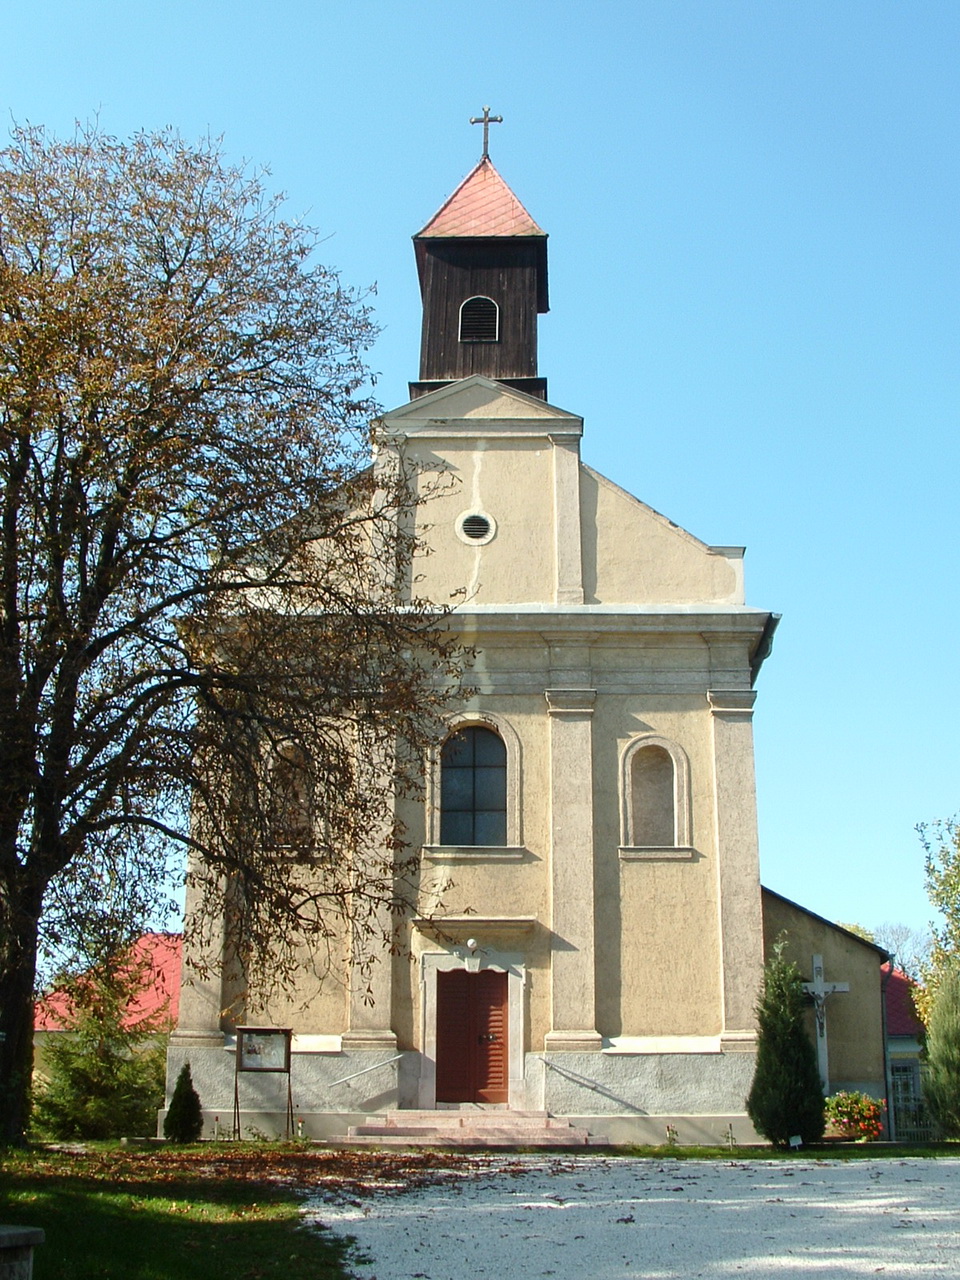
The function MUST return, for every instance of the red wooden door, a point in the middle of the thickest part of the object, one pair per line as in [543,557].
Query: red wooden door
[472,1036]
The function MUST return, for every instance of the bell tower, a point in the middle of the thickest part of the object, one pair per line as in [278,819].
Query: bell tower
[482,262]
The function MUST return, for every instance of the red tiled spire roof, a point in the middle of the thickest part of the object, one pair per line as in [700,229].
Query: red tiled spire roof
[482,206]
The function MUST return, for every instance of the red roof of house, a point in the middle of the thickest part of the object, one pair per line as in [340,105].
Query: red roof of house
[160,954]
[902,1017]
[482,206]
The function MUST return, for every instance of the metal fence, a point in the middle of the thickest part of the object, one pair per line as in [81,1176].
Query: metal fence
[912,1121]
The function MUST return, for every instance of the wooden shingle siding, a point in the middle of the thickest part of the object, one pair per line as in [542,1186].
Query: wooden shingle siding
[455,270]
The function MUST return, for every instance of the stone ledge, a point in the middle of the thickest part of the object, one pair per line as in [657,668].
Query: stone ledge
[21,1237]
[16,1251]
[572,1042]
[657,853]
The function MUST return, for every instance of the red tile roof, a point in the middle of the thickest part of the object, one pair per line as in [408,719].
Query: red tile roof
[902,1017]
[482,206]
[160,954]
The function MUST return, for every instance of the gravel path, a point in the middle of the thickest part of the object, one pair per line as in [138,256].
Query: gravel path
[592,1218]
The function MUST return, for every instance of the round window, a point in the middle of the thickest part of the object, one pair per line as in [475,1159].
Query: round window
[475,527]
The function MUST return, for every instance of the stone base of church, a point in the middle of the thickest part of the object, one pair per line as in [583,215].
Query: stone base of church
[640,1084]
[615,1130]
[645,1098]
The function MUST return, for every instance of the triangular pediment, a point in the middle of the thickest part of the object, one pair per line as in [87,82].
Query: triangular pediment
[480,405]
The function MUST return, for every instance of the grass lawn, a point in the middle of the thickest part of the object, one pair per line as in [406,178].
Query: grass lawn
[164,1215]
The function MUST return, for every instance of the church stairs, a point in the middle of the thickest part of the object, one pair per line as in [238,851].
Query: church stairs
[469,1129]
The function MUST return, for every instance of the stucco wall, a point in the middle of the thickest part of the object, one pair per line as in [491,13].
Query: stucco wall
[854,1018]
[634,555]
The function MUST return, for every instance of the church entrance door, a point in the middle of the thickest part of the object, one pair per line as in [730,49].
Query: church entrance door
[472,1036]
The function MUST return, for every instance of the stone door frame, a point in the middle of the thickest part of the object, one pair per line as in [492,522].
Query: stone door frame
[434,962]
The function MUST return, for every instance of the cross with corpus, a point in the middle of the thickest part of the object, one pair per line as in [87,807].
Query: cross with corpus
[486,120]
[818,990]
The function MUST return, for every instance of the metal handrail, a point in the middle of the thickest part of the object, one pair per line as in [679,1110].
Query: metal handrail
[376,1067]
[585,1082]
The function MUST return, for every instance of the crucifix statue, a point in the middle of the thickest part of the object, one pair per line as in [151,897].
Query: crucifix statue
[818,990]
[486,120]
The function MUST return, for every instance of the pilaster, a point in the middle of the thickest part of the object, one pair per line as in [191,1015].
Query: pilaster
[735,803]
[573,980]
[370,998]
[204,961]
[566,505]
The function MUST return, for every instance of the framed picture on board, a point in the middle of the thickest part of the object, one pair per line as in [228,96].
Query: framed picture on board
[263,1049]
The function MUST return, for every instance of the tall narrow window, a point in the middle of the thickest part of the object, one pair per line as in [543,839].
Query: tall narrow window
[473,788]
[290,798]
[654,802]
[656,820]
[479,320]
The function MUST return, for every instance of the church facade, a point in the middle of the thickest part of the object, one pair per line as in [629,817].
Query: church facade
[589,940]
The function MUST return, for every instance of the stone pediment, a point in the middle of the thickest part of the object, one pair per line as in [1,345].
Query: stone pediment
[480,406]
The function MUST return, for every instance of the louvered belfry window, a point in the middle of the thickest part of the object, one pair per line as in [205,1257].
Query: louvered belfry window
[479,320]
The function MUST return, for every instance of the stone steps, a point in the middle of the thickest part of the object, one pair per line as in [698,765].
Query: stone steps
[469,1129]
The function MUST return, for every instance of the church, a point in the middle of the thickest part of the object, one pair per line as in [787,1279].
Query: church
[588,949]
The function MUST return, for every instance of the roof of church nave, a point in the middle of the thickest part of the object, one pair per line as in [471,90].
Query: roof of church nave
[483,206]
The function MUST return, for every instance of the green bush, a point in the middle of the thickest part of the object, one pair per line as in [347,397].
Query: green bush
[941,1078]
[786,1097]
[184,1119]
[103,1075]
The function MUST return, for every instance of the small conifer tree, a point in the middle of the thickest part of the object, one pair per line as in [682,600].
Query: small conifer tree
[941,1080]
[102,1076]
[184,1119]
[786,1098]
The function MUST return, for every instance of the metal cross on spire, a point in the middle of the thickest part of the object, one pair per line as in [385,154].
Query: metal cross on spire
[486,120]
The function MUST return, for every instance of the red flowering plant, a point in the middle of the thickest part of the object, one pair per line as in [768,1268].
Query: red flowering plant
[855,1115]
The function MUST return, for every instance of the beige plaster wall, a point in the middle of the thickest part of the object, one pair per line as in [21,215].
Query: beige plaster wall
[634,555]
[455,884]
[512,482]
[854,1020]
[657,959]
[480,447]
[630,554]
[318,1005]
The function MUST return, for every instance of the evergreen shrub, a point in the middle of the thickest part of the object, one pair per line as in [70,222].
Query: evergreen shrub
[786,1097]
[184,1119]
[941,1077]
[103,1075]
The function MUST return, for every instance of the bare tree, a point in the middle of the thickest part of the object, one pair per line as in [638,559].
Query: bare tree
[204,584]
[909,947]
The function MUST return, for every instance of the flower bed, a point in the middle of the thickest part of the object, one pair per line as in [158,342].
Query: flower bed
[855,1116]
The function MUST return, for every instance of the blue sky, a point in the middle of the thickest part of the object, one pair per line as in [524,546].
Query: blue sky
[753,217]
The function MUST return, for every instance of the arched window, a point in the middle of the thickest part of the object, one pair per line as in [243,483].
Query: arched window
[654,808]
[473,788]
[655,797]
[479,320]
[290,798]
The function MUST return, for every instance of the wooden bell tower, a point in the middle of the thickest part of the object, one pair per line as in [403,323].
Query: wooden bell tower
[482,262]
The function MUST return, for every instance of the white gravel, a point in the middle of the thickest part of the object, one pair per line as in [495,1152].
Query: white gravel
[608,1219]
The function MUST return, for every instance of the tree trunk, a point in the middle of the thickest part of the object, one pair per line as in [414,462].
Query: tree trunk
[18,969]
